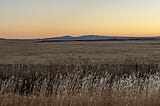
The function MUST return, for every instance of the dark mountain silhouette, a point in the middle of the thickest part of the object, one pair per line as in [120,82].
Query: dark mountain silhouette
[158,37]
[2,39]
[81,38]
[94,37]
[63,37]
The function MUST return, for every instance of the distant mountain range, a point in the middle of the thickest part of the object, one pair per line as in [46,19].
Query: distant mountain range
[95,38]
[82,38]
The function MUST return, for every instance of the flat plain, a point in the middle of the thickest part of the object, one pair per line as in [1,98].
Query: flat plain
[116,52]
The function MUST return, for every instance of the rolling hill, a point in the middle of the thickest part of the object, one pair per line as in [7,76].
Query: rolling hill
[81,38]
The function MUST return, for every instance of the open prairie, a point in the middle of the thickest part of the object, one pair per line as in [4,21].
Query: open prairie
[101,73]
[117,52]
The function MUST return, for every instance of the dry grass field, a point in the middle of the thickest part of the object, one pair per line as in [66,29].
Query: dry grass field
[118,52]
[112,73]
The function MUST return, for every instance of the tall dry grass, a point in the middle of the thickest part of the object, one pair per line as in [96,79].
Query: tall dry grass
[79,85]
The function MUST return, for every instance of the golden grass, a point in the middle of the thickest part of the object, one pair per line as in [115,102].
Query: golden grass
[80,100]
[93,87]
[117,52]
[79,85]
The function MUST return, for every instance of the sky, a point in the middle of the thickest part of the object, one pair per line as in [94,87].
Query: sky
[49,18]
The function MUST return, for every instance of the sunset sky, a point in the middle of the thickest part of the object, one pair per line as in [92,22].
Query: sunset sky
[48,18]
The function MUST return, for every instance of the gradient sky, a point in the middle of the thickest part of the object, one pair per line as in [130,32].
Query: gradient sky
[47,18]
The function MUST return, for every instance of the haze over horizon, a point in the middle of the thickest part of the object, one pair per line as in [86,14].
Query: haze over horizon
[49,18]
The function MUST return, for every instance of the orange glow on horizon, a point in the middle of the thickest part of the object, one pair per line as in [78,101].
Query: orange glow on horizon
[40,19]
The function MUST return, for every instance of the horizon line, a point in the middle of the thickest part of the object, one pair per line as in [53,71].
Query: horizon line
[137,36]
